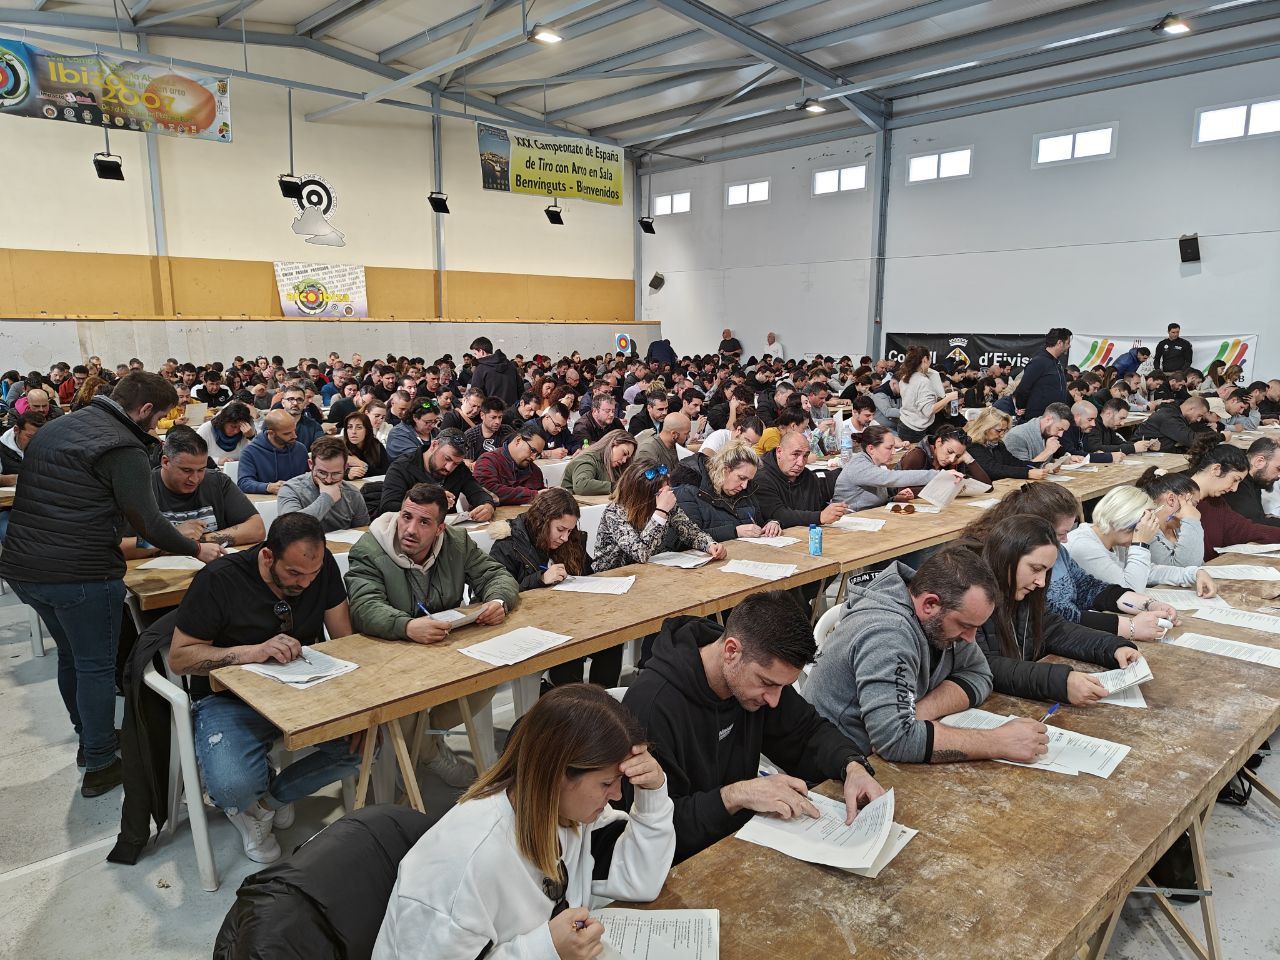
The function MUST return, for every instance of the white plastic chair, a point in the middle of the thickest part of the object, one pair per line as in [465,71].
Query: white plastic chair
[267,509]
[822,630]
[631,411]
[232,469]
[589,523]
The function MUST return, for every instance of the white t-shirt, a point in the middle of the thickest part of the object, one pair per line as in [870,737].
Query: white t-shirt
[775,349]
[715,442]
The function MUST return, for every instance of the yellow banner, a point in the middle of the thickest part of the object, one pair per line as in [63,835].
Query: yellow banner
[542,166]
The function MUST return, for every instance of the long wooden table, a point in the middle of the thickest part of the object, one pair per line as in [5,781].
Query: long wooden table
[1015,863]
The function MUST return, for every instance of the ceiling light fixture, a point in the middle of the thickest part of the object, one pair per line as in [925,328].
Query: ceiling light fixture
[439,201]
[811,105]
[1171,25]
[554,214]
[541,34]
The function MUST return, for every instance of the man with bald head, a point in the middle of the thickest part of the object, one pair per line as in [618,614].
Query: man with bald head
[38,401]
[661,446]
[790,493]
[273,456]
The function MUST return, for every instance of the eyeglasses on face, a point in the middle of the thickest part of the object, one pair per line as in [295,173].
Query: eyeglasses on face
[653,473]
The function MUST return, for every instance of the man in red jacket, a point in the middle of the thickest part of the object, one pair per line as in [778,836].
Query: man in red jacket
[509,472]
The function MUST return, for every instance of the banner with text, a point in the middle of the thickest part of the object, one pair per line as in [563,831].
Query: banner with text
[977,350]
[321,290]
[530,163]
[107,91]
[1090,349]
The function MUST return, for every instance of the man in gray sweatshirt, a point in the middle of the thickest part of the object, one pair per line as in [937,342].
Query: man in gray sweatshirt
[903,657]
[322,493]
[1037,441]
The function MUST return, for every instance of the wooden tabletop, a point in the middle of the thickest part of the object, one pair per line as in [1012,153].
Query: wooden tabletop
[1009,863]
[398,678]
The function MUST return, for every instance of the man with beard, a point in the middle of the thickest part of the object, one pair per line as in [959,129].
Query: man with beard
[903,657]
[261,605]
[713,698]
[1264,471]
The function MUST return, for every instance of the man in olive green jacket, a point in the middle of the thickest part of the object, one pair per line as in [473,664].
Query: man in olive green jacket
[411,565]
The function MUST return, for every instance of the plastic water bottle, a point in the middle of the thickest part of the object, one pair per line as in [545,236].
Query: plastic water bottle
[815,540]
[846,447]
[955,407]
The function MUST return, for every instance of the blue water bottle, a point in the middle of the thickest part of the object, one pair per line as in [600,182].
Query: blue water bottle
[815,540]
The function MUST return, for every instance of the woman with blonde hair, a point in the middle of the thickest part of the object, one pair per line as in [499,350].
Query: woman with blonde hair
[723,503]
[508,871]
[986,434]
[1116,546]
[644,519]
[594,472]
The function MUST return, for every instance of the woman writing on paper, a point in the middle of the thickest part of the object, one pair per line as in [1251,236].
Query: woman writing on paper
[1072,593]
[1021,551]
[507,873]
[865,481]
[723,502]
[644,519]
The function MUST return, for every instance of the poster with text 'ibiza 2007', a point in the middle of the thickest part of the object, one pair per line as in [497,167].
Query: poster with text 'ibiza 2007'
[99,90]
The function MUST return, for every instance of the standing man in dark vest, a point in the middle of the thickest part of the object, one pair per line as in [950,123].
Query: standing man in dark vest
[84,477]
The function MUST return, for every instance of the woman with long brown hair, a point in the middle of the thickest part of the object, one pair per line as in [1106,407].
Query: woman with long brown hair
[643,519]
[88,390]
[366,456]
[594,472]
[509,868]
[923,394]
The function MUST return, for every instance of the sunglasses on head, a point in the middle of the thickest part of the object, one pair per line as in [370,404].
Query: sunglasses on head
[654,472]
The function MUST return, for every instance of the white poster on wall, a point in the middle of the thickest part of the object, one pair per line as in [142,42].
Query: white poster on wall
[1090,349]
[321,290]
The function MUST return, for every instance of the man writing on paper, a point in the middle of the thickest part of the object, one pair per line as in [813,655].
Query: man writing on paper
[903,657]
[789,492]
[440,463]
[712,699]
[409,566]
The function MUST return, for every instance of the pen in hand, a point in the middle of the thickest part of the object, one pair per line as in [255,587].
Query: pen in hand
[1052,711]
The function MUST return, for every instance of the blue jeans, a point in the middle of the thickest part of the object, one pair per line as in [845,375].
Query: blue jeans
[84,621]
[232,746]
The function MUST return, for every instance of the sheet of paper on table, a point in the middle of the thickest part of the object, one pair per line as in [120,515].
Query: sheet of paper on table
[1187,600]
[977,719]
[827,840]
[759,570]
[457,618]
[899,837]
[1069,752]
[610,585]
[859,523]
[1136,673]
[1128,697]
[972,487]
[654,934]
[344,536]
[1259,549]
[309,669]
[1243,571]
[1058,478]
[172,563]
[1227,648]
[514,646]
[685,559]
[463,520]
[770,541]
[1082,467]
[1240,618]
[983,504]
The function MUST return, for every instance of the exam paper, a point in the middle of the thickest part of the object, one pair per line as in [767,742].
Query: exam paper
[1242,571]
[685,559]
[610,585]
[172,563]
[1227,648]
[463,520]
[1259,549]
[309,669]
[1069,752]
[1187,600]
[1116,680]
[1240,618]
[941,490]
[761,571]
[1082,467]
[344,536]
[770,541]
[977,719]
[983,504]
[519,644]
[1128,697]
[972,487]
[1057,478]
[827,840]
[660,934]
[859,523]
[899,837]
[456,618]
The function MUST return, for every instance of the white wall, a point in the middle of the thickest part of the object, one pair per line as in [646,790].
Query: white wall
[797,265]
[1086,245]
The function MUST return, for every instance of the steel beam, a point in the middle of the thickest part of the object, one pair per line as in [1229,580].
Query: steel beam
[182,12]
[879,235]
[334,15]
[158,221]
[751,84]
[486,6]
[232,15]
[559,81]
[440,31]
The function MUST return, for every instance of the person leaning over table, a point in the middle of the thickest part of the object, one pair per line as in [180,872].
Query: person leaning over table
[509,472]
[712,699]
[865,481]
[904,655]
[509,871]
[202,504]
[1104,437]
[723,503]
[986,431]
[366,456]
[410,565]
[553,426]
[440,463]
[83,477]
[261,605]
[1037,442]
[593,472]
[1021,550]
[1175,425]
[273,456]
[594,426]
[1218,468]
[946,449]
[792,494]
[1264,470]
[322,493]
[644,519]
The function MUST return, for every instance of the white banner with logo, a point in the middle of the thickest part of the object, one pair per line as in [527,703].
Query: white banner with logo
[321,290]
[1090,349]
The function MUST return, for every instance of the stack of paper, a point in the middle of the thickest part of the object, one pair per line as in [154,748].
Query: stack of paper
[1082,467]
[1122,685]
[1187,600]
[610,585]
[344,536]
[685,559]
[519,644]
[1242,571]
[1128,697]
[828,840]
[761,571]
[770,541]
[1240,618]
[309,669]
[1069,752]
[1227,648]
[859,523]
[666,934]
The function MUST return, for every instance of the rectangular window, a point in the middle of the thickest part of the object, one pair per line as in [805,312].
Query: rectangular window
[840,179]
[1237,121]
[940,166]
[756,191]
[1087,143]
[665,204]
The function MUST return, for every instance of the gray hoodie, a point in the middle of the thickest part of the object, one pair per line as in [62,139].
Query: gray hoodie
[1025,441]
[877,663]
[862,484]
[301,495]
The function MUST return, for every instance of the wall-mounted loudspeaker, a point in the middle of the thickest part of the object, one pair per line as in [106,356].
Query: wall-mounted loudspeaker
[656,282]
[1189,248]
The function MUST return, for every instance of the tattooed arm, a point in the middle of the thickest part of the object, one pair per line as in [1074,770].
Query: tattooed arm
[191,655]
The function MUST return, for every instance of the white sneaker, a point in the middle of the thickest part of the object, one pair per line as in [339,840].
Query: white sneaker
[255,832]
[451,768]
[284,817]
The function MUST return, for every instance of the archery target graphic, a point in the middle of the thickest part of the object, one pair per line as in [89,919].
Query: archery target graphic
[623,342]
[317,193]
[312,297]
[15,83]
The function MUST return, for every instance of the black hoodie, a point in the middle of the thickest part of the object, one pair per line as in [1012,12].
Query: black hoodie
[497,377]
[705,743]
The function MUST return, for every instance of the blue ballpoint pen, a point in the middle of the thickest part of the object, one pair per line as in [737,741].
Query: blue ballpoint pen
[1050,713]
[422,610]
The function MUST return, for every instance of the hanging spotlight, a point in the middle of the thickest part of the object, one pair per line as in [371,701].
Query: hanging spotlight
[107,165]
[439,201]
[554,214]
[1171,25]
[541,34]
[290,186]
[811,105]
[646,225]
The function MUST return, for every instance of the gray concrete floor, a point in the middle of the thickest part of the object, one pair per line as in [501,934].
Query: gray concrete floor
[61,900]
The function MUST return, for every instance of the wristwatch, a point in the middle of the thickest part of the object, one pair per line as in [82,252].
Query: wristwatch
[860,761]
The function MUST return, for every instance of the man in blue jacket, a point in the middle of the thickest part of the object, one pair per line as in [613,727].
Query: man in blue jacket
[273,456]
[1044,381]
[1131,361]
